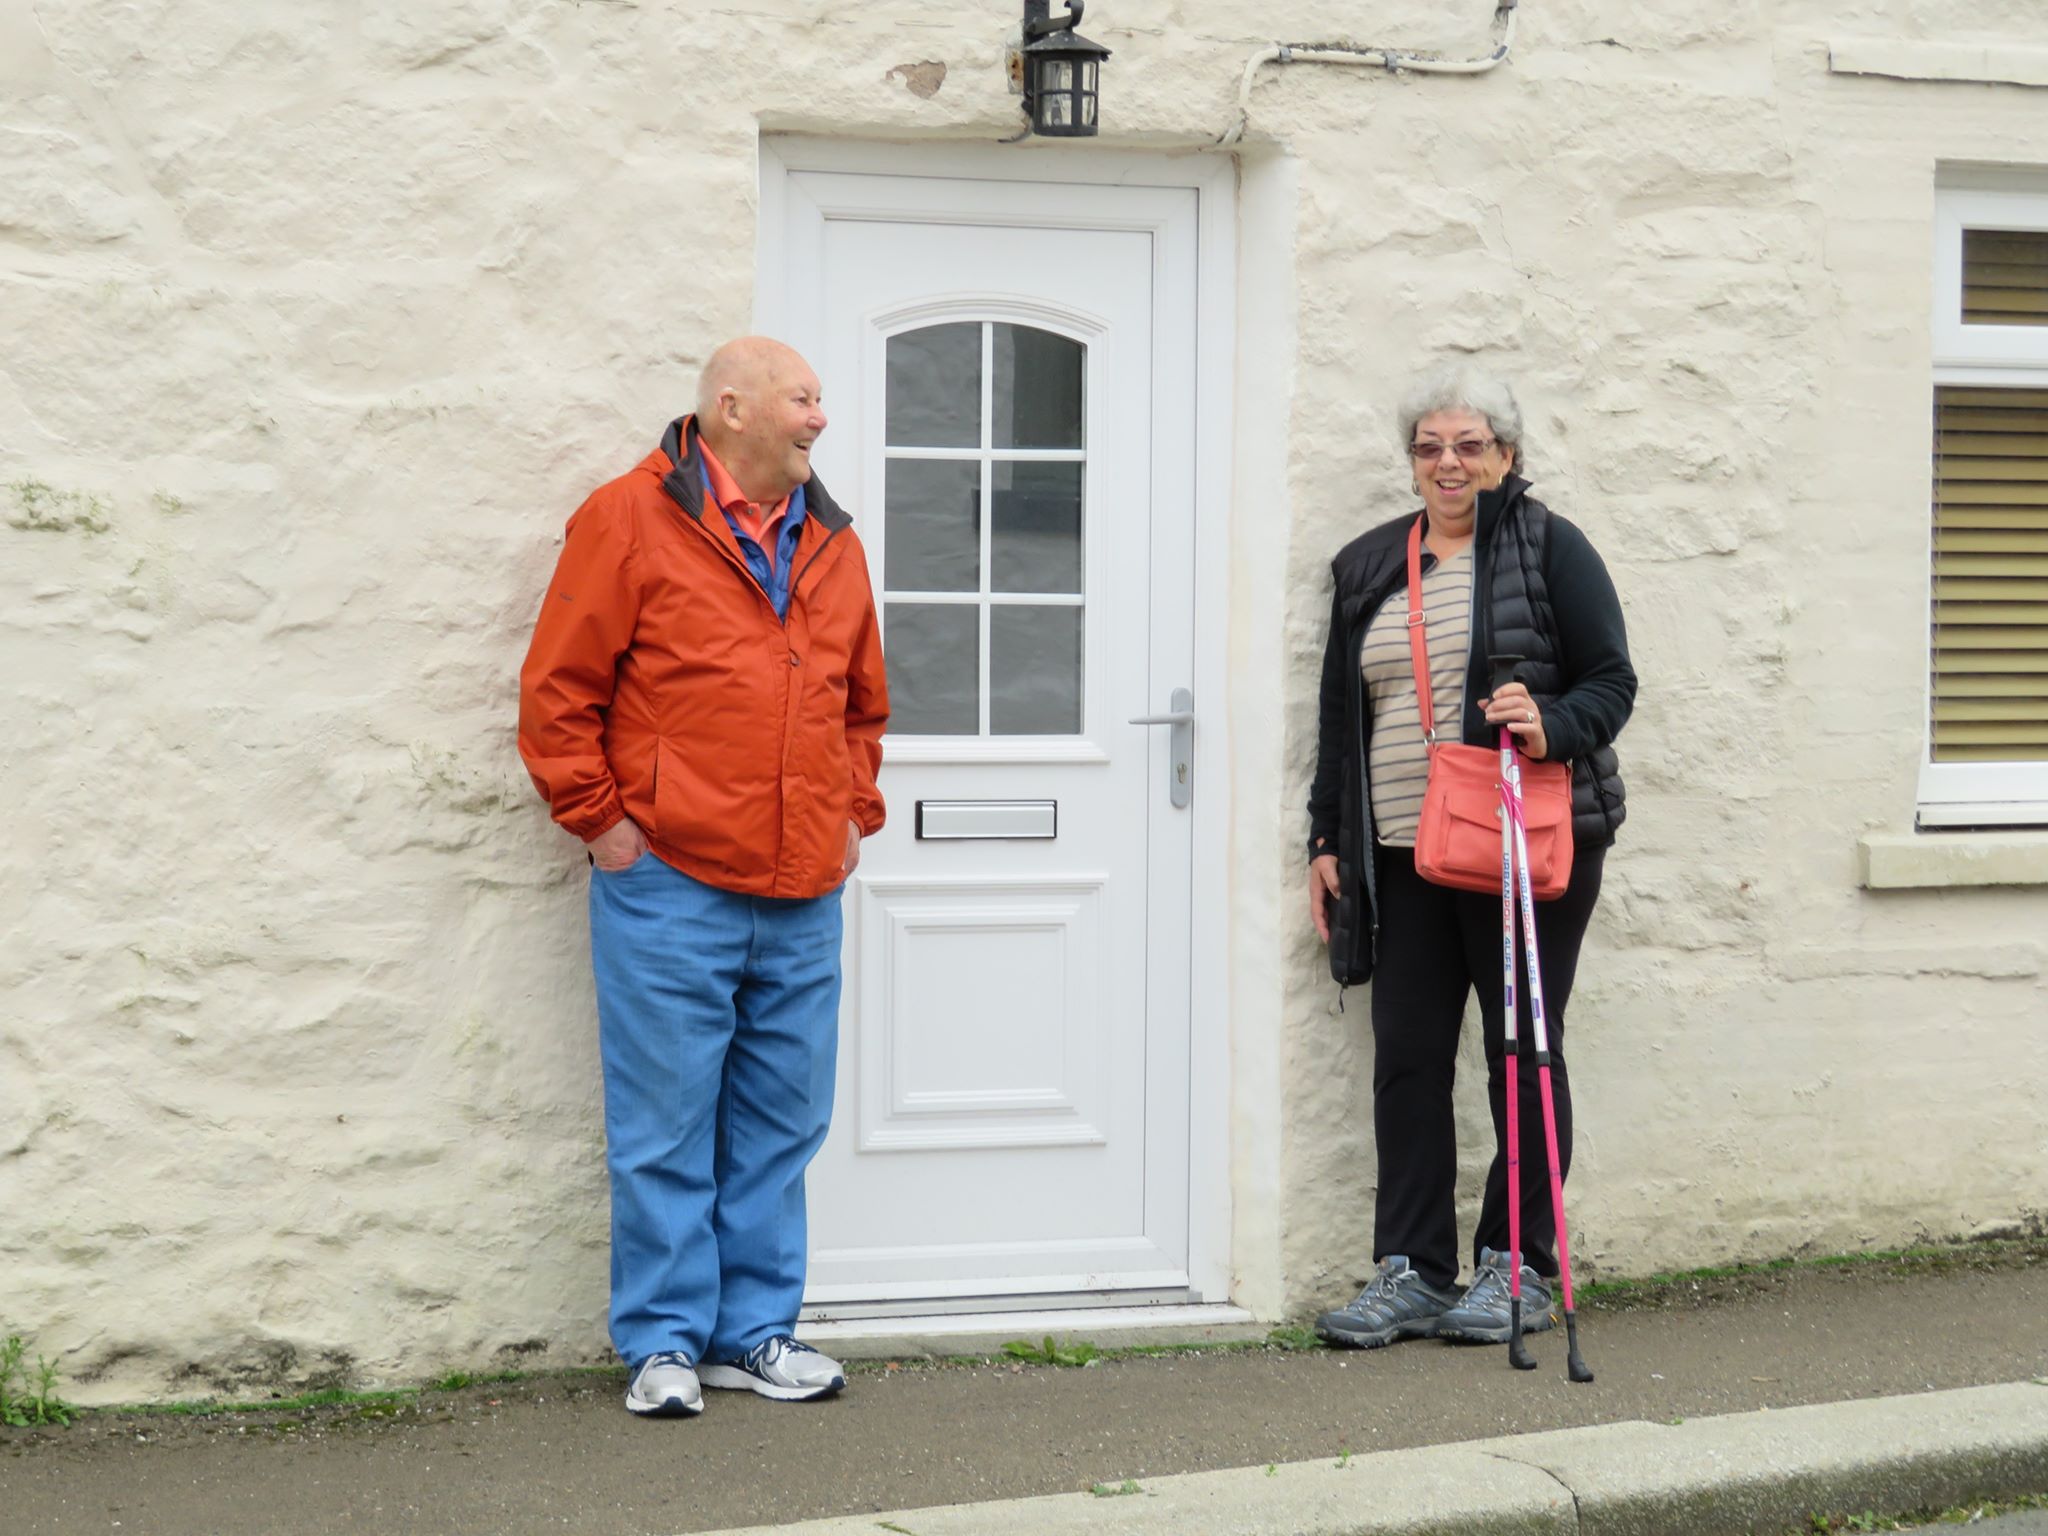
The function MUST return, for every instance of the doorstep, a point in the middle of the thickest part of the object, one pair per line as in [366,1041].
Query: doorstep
[936,1336]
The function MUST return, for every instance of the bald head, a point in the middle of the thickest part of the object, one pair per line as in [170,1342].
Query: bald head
[744,366]
[759,409]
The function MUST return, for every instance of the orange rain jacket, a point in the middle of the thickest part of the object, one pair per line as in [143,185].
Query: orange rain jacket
[660,684]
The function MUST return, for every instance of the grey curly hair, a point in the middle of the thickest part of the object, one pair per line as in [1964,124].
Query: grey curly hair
[1460,386]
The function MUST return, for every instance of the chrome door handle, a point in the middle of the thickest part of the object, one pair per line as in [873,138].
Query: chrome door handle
[1180,766]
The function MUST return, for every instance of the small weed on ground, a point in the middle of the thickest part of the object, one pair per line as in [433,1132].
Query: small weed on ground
[28,1394]
[1116,1490]
[1293,1338]
[455,1381]
[1051,1352]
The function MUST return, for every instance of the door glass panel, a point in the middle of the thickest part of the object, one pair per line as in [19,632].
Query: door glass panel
[933,652]
[1034,671]
[1035,533]
[933,537]
[1037,389]
[984,497]
[934,387]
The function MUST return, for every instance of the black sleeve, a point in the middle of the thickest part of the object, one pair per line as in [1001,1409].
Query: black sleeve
[1325,795]
[1600,685]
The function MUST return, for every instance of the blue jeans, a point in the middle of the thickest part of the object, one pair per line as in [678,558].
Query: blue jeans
[718,1020]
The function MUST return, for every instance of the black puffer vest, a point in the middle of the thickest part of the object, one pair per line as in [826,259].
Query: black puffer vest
[1522,553]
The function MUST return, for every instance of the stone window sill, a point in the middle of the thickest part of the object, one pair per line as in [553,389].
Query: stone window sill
[1903,861]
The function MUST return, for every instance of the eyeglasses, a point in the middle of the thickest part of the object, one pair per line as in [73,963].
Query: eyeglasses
[1469,449]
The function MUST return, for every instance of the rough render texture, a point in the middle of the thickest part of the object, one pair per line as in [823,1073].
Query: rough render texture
[320,319]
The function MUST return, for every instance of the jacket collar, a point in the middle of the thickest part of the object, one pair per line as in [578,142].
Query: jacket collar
[1493,504]
[684,479]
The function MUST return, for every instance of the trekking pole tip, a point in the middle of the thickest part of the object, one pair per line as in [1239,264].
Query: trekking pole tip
[1574,1363]
[1518,1352]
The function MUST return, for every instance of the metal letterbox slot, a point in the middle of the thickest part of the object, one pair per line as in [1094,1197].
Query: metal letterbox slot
[966,820]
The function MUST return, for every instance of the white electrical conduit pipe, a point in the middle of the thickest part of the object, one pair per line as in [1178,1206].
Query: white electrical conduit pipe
[1390,59]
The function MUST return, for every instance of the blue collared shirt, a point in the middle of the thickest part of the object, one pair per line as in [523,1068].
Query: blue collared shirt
[774,580]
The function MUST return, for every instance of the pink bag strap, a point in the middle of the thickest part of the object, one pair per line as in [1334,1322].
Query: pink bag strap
[1418,647]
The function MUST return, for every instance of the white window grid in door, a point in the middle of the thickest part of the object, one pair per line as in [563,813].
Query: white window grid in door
[1091,334]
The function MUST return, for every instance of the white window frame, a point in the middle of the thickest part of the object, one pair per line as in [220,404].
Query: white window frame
[1979,794]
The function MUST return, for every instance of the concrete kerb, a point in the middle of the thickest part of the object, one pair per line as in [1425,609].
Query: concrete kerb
[1740,1473]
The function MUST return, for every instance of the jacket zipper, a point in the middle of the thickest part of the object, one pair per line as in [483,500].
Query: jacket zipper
[1472,630]
[797,577]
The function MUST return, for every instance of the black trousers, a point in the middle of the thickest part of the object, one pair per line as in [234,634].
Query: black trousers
[1435,945]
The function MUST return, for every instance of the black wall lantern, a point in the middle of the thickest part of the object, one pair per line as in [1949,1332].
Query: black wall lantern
[1062,71]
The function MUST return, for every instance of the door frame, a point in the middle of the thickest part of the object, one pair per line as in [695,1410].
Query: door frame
[1214,180]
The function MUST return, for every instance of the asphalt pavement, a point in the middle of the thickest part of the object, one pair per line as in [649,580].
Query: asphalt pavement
[1699,1377]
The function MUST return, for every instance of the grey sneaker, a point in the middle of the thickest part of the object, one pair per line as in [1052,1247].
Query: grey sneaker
[1397,1304]
[1482,1317]
[782,1368]
[665,1387]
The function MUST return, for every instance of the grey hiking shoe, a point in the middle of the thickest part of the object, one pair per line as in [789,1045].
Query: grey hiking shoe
[1397,1304]
[1482,1317]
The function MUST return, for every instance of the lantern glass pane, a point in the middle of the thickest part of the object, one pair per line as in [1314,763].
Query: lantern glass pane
[1088,111]
[1056,75]
[1088,69]
[1055,111]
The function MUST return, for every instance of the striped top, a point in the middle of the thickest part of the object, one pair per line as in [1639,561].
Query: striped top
[1399,762]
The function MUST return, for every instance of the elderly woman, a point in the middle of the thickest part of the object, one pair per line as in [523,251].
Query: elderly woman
[1500,573]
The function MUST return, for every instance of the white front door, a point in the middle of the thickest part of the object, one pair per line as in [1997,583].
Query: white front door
[1009,369]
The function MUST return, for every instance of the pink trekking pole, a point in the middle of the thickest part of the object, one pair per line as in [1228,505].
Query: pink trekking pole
[1518,1353]
[1515,855]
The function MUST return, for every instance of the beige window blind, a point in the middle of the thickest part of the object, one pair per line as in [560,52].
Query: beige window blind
[2005,277]
[1990,685]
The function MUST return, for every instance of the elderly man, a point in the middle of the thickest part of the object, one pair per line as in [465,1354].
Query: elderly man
[703,705]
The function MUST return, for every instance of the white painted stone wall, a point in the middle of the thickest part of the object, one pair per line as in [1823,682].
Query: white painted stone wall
[317,320]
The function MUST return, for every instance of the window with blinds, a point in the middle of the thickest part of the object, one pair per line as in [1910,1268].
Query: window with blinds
[1990,670]
[2005,277]
[1986,757]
